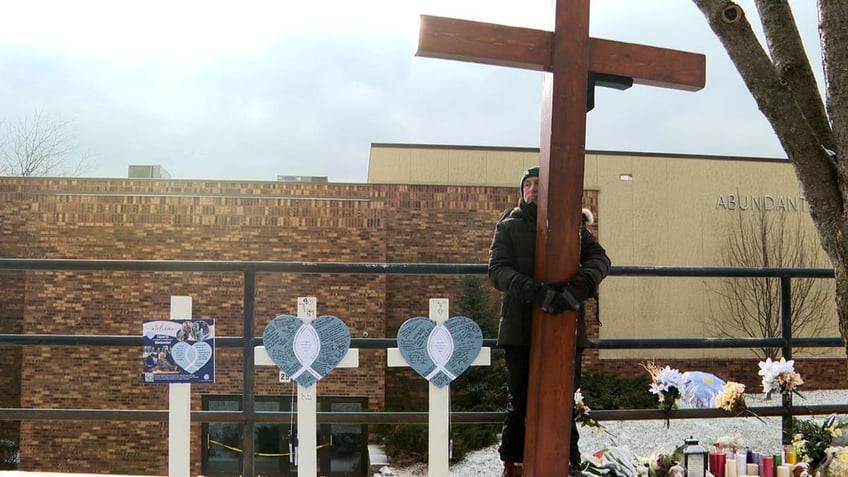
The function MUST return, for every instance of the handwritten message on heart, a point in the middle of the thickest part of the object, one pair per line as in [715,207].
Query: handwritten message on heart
[191,357]
[440,353]
[306,352]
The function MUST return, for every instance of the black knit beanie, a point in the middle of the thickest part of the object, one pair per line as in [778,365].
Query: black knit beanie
[532,172]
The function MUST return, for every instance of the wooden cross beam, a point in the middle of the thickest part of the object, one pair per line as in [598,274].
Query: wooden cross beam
[568,56]
[493,44]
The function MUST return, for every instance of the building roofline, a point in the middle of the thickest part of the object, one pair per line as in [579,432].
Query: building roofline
[588,151]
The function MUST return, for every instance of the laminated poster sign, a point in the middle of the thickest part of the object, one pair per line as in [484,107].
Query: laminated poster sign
[178,351]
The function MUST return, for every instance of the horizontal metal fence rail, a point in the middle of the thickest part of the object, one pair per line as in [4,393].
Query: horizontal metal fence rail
[385,343]
[382,417]
[378,268]
[248,416]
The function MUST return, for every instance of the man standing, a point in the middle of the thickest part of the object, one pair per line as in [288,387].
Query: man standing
[512,258]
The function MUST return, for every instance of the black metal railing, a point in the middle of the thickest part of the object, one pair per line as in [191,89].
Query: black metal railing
[248,416]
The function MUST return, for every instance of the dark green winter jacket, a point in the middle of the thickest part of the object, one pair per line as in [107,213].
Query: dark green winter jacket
[512,258]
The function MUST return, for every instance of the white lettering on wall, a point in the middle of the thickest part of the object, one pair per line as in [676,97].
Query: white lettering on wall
[761,202]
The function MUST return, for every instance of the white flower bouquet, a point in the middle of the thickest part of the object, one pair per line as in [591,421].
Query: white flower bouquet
[667,385]
[780,376]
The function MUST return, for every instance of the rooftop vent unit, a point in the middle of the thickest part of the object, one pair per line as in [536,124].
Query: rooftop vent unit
[147,172]
[301,178]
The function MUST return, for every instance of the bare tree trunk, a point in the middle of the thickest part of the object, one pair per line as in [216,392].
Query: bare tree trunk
[842,303]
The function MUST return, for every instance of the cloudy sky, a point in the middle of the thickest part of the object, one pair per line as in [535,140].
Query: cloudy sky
[253,89]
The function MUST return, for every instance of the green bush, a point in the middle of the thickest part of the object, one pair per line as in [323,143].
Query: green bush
[478,389]
[405,444]
[9,454]
[470,437]
[606,391]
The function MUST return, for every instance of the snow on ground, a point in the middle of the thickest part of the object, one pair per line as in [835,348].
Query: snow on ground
[644,438]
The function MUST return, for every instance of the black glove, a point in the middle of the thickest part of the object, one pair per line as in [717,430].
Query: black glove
[551,300]
[576,292]
[571,301]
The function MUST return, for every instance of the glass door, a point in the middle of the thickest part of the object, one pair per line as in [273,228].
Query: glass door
[342,448]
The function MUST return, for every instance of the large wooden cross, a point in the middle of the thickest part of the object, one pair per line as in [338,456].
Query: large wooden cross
[569,56]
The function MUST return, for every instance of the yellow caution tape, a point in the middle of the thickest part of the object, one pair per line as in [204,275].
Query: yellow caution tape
[211,442]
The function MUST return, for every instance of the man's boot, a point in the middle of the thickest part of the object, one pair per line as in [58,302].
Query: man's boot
[513,469]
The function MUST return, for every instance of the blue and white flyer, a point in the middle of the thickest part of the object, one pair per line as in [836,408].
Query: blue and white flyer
[178,351]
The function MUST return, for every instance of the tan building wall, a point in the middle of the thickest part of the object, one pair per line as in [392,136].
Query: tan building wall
[448,165]
[671,211]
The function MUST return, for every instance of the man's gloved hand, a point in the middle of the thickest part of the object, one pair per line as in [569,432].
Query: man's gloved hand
[551,300]
[575,293]
[571,301]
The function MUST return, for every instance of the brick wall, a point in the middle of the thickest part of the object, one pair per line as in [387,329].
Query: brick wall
[11,321]
[173,220]
[11,305]
[196,220]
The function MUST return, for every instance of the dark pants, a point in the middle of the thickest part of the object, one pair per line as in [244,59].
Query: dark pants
[512,434]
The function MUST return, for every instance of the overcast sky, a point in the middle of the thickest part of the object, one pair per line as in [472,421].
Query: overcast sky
[251,90]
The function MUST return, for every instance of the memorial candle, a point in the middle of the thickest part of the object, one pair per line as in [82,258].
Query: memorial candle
[741,462]
[767,466]
[791,456]
[730,468]
[720,464]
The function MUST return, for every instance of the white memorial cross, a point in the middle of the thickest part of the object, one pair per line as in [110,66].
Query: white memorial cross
[179,407]
[307,428]
[439,415]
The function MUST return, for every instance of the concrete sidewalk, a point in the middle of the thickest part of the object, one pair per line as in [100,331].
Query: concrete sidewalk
[377,458]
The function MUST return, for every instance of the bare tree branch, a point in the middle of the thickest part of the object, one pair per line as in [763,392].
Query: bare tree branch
[40,146]
[750,307]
